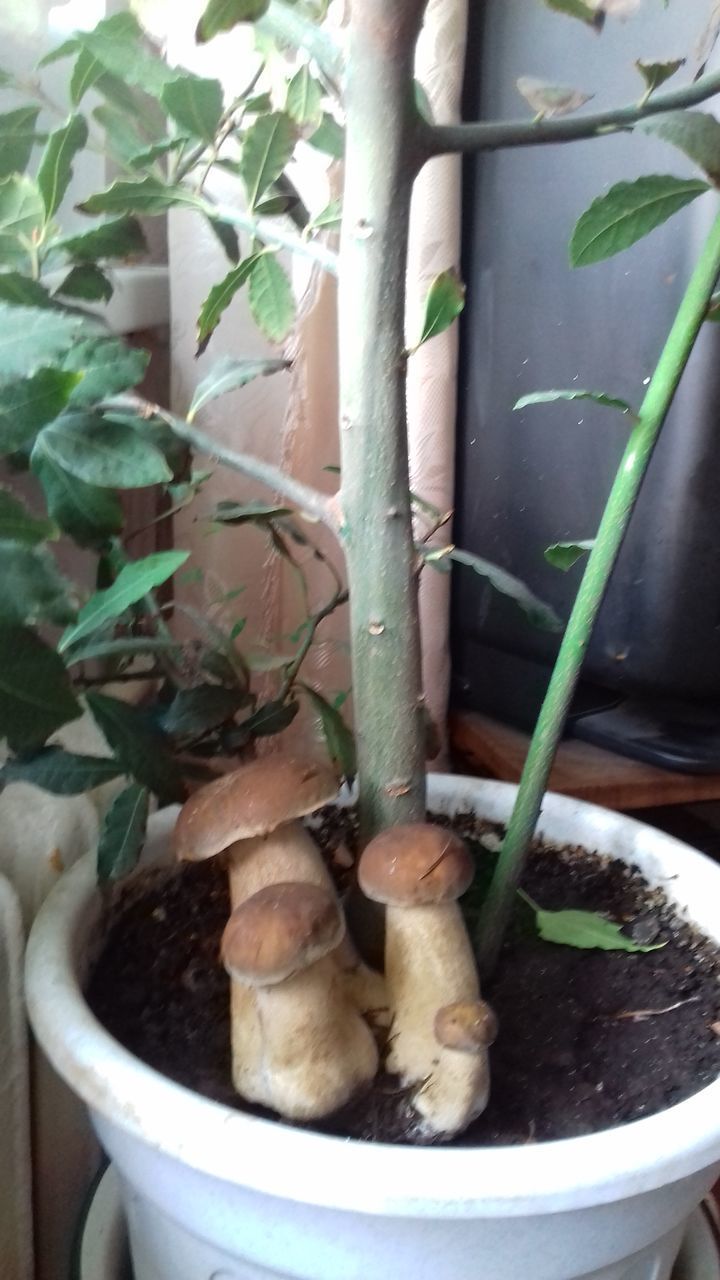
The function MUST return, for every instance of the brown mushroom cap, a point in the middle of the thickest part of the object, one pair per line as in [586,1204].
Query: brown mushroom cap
[469,1027]
[280,930]
[415,865]
[251,801]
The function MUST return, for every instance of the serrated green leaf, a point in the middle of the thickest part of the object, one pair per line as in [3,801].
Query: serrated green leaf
[64,50]
[133,582]
[583,929]
[62,773]
[271,298]
[18,525]
[55,170]
[143,159]
[304,98]
[86,72]
[88,282]
[30,337]
[443,304]
[656,73]
[32,588]
[593,16]
[196,104]
[28,404]
[17,139]
[539,613]
[563,555]
[102,452]
[247,512]
[148,196]
[118,43]
[123,139]
[627,212]
[597,397]
[116,238]
[329,137]
[23,291]
[196,711]
[122,834]
[88,514]
[695,133]
[21,215]
[108,366]
[228,375]
[137,745]
[220,297]
[223,15]
[35,693]
[157,432]
[267,148]
[330,216]
[339,739]
[227,236]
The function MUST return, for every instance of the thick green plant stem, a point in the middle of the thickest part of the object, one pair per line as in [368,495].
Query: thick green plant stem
[382,160]
[611,532]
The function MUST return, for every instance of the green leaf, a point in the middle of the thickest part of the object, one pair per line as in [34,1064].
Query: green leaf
[133,582]
[116,238]
[548,100]
[30,338]
[86,73]
[330,216]
[35,693]
[32,588]
[220,297]
[583,929]
[17,524]
[271,298]
[148,196]
[247,512]
[329,137]
[88,514]
[598,397]
[21,215]
[656,73]
[55,170]
[123,139]
[563,555]
[227,375]
[594,17]
[61,772]
[339,740]
[148,156]
[539,613]
[137,744]
[695,133]
[223,15]
[27,404]
[17,138]
[627,212]
[119,45]
[23,291]
[102,452]
[443,304]
[108,367]
[304,98]
[227,236]
[123,833]
[713,311]
[195,103]
[88,282]
[196,711]
[268,146]
[271,718]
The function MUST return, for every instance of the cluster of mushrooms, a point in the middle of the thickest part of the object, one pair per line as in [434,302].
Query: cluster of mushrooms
[303,1003]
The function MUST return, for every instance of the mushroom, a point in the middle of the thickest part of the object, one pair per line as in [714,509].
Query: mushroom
[457,1090]
[418,871]
[254,815]
[317,1051]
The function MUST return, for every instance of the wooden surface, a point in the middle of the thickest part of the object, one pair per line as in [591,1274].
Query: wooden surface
[489,749]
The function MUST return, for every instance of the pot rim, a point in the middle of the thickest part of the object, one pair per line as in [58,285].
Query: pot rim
[443,1182]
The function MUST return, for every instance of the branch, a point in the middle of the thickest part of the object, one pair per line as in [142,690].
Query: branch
[311,502]
[492,136]
[287,25]
[267,230]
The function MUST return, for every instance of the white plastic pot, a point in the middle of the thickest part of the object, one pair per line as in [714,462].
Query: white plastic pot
[213,1194]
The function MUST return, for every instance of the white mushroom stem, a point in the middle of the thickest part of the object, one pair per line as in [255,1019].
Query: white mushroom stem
[288,853]
[428,963]
[318,1051]
[456,1091]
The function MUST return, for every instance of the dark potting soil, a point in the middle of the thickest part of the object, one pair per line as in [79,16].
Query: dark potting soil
[588,1039]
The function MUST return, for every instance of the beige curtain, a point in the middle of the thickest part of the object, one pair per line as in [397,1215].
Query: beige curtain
[292,419]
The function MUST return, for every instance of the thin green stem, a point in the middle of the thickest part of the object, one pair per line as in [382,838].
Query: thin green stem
[493,135]
[614,523]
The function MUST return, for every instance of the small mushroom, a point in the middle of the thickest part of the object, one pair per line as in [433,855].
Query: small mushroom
[457,1090]
[317,1051]
[418,871]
